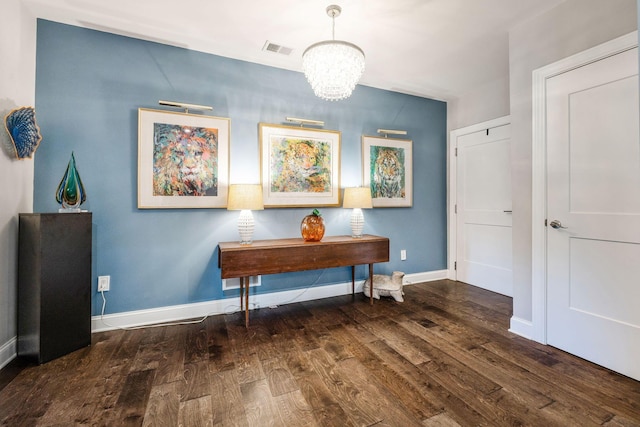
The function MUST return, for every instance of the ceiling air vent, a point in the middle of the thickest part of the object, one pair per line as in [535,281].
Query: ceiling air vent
[276,48]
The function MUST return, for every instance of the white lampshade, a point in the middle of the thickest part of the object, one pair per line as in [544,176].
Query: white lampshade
[245,198]
[357,198]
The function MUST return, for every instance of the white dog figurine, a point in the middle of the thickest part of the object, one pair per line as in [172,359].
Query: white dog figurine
[385,286]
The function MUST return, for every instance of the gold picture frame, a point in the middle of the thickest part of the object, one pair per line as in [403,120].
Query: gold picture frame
[300,167]
[183,160]
[387,168]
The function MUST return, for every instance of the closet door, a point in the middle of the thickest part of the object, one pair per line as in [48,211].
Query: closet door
[483,220]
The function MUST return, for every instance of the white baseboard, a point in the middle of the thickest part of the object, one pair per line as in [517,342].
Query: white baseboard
[521,327]
[210,308]
[8,352]
[177,313]
[428,276]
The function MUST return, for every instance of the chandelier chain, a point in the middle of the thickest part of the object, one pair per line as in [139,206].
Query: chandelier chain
[333,26]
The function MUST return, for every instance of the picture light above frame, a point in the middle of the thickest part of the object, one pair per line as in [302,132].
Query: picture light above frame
[185,106]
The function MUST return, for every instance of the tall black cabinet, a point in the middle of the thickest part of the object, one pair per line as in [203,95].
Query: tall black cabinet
[54,284]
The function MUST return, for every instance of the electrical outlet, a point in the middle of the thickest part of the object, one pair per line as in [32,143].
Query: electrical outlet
[103,283]
[403,255]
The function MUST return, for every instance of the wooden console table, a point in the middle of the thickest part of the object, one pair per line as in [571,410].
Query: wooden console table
[287,255]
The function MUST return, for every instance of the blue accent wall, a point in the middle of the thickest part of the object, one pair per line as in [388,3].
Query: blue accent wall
[89,86]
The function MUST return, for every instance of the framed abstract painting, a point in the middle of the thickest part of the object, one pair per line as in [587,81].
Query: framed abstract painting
[183,160]
[299,166]
[388,170]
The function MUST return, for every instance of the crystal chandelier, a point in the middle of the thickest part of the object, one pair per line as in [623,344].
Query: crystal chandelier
[333,67]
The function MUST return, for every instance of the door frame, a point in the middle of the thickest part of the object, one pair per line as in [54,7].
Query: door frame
[452,235]
[539,171]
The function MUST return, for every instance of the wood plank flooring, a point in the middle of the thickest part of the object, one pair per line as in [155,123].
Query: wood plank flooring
[444,357]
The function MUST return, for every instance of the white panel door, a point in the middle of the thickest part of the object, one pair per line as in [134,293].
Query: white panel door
[593,194]
[484,256]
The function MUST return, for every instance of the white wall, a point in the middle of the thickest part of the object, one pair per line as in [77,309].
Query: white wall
[481,104]
[17,89]
[571,27]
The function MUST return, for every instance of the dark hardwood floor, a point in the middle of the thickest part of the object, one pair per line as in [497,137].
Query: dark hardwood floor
[444,357]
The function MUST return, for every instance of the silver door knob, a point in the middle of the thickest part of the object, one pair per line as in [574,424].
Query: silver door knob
[556,224]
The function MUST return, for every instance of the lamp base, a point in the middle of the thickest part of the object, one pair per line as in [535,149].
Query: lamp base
[357,223]
[246,226]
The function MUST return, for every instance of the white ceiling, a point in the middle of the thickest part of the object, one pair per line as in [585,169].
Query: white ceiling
[432,48]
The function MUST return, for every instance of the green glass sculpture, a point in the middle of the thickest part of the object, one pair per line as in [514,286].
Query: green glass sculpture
[70,193]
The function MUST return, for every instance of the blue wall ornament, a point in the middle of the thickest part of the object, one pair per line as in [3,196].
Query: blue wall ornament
[23,131]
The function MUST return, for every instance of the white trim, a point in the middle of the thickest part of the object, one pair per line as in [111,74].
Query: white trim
[452,190]
[229,305]
[8,352]
[521,327]
[234,283]
[429,276]
[539,170]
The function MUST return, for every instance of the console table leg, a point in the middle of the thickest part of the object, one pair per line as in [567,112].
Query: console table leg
[371,284]
[246,302]
[353,280]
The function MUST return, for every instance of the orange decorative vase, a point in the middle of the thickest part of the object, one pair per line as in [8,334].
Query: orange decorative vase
[312,227]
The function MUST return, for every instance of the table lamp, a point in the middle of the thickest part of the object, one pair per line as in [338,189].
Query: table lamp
[357,198]
[245,198]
